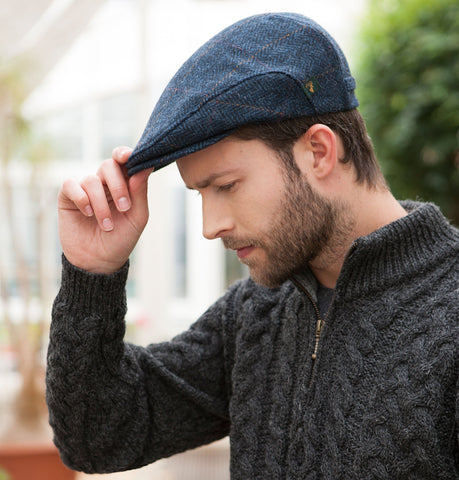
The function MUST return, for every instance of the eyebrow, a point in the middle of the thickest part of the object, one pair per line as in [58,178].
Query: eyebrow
[210,179]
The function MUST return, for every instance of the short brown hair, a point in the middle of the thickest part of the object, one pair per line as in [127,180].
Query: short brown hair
[350,127]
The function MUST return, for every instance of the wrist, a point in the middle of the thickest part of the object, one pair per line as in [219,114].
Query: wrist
[98,268]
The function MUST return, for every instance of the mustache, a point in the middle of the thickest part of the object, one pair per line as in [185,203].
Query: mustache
[232,243]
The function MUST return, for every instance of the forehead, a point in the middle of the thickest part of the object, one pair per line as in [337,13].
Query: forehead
[228,156]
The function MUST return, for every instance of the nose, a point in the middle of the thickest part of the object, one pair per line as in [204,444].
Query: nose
[216,218]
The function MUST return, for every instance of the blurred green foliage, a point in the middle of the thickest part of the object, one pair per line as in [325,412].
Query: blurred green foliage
[408,87]
[4,475]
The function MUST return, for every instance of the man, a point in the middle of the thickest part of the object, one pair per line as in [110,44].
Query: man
[338,358]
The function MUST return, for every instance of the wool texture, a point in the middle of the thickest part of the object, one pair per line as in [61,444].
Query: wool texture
[264,68]
[380,402]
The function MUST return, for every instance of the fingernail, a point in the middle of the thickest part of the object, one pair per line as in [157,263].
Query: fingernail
[107,224]
[123,204]
[89,211]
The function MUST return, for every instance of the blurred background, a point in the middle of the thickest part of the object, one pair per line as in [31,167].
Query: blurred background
[79,77]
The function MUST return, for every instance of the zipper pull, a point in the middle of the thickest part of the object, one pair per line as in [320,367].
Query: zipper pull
[319,327]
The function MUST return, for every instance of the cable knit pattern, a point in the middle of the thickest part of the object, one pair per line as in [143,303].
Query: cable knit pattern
[380,402]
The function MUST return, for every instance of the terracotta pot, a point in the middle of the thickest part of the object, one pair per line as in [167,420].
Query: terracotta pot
[37,461]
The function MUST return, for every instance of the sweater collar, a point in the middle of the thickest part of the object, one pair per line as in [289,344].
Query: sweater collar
[392,252]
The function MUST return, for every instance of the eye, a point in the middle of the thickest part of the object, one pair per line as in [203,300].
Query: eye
[226,187]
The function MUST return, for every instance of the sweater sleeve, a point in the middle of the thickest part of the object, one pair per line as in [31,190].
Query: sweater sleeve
[115,406]
[457,416]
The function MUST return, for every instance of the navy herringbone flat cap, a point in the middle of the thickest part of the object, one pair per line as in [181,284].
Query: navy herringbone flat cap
[265,68]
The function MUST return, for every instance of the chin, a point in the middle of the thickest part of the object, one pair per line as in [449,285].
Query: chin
[266,282]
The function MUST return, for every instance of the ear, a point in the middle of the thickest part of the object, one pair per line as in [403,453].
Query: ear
[320,145]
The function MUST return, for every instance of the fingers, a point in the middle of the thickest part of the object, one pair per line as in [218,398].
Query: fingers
[72,194]
[113,175]
[96,194]
[99,202]
[89,197]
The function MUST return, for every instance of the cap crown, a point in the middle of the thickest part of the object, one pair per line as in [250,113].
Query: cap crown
[261,69]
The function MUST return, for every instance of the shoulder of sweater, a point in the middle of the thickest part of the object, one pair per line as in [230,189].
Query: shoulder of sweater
[429,212]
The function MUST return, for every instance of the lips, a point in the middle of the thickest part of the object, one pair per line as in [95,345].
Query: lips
[244,251]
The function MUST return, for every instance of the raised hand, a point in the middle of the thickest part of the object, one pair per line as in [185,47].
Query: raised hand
[102,217]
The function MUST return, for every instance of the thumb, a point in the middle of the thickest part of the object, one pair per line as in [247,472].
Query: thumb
[121,154]
[138,183]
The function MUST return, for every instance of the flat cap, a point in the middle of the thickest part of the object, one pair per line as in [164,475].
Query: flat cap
[264,68]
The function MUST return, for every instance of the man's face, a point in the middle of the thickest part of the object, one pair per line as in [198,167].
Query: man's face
[276,224]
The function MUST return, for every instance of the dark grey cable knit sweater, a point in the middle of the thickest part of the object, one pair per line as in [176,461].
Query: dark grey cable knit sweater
[380,402]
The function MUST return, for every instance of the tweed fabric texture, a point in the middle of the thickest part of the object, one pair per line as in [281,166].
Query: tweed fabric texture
[265,68]
[381,401]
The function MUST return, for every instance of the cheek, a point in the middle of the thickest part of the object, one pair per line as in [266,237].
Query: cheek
[258,213]
[258,203]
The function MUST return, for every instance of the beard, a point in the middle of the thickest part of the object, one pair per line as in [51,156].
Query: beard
[305,227]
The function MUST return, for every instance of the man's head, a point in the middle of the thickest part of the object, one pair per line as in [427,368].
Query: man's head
[278,217]
[262,121]
[266,68]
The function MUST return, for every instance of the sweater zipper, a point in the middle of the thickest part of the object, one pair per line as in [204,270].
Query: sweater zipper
[321,321]
[319,327]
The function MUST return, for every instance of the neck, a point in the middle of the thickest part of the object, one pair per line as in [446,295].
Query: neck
[366,212]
